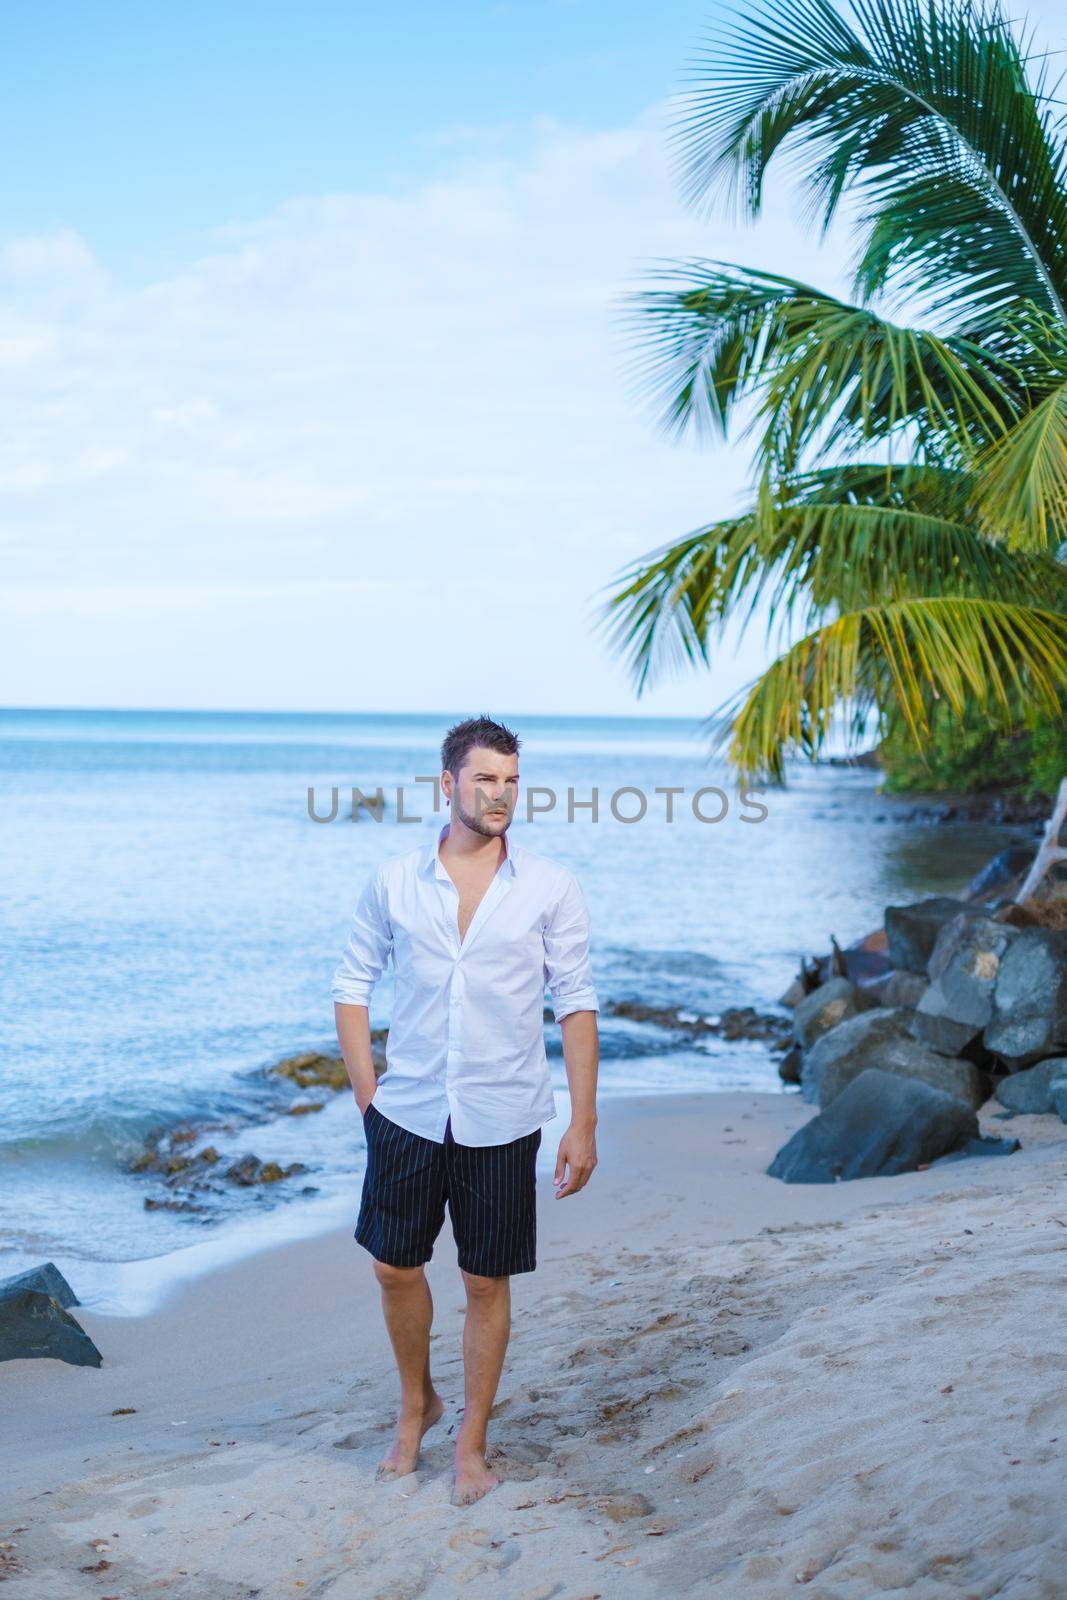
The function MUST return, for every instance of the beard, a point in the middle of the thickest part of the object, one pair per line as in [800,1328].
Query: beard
[485,824]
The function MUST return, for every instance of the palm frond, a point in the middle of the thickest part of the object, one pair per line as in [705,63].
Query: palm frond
[1023,488]
[659,619]
[926,113]
[836,540]
[906,653]
[721,334]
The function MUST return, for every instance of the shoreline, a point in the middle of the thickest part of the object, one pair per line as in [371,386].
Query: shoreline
[143,1284]
[262,1391]
[148,1287]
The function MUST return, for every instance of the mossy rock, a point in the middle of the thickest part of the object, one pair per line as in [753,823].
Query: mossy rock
[250,1170]
[312,1069]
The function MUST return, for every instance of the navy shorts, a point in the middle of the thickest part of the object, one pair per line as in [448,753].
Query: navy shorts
[491,1192]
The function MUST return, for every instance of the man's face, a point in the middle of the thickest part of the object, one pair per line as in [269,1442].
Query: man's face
[484,791]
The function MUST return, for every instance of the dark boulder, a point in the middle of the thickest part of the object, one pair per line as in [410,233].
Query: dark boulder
[898,989]
[1029,1020]
[825,1007]
[911,931]
[789,1065]
[867,1032]
[47,1279]
[906,1058]
[863,962]
[1058,1091]
[34,1324]
[866,959]
[963,968]
[1031,1091]
[881,1124]
[982,1146]
[250,1169]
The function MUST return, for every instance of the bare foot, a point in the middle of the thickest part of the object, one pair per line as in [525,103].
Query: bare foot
[473,1477]
[403,1456]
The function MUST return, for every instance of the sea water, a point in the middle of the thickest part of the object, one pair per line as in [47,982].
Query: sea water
[171,916]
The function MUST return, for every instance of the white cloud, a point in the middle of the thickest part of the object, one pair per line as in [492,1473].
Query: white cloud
[395,423]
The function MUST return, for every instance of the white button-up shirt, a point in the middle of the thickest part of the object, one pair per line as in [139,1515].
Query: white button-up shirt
[466,1038]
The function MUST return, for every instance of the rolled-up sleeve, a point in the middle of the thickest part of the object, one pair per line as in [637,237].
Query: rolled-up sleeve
[370,942]
[568,974]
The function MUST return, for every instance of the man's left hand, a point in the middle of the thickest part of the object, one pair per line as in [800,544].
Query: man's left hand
[577,1152]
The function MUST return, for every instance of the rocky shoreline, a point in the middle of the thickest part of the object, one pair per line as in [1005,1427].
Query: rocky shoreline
[1000,806]
[189,1172]
[902,1037]
[186,1163]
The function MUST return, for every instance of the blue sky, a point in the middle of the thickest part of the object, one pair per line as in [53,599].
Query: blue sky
[312,392]
[144,126]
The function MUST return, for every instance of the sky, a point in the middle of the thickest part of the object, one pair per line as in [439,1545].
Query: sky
[313,387]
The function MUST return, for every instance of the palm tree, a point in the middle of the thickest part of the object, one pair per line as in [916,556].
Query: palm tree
[909,515]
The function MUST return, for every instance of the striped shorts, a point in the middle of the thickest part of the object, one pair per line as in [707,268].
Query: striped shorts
[491,1192]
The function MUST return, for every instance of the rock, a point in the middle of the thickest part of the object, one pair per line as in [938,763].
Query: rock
[789,997]
[825,1007]
[866,1030]
[271,1172]
[47,1279]
[1002,875]
[982,1146]
[159,1155]
[881,1124]
[906,1058]
[250,1169]
[313,1069]
[789,1066]
[735,1022]
[745,1022]
[1029,1020]
[963,967]
[1058,1091]
[868,958]
[911,931]
[1031,1091]
[863,962]
[882,1039]
[34,1324]
[898,989]
[244,1171]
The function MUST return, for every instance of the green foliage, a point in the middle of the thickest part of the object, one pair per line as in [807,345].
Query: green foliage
[964,754]
[1048,750]
[932,591]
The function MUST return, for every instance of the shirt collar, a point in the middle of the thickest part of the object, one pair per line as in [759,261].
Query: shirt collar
[430,862]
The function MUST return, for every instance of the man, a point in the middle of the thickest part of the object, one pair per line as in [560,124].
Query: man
[477,926]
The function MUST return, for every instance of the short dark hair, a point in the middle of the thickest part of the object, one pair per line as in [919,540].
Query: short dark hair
[461,739]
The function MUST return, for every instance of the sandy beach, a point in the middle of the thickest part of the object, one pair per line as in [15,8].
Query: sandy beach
[717,1384]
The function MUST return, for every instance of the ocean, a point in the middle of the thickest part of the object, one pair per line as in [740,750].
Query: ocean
[172,915]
